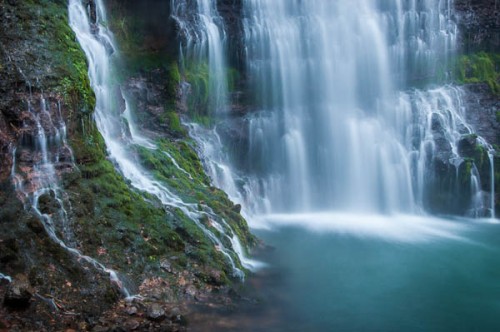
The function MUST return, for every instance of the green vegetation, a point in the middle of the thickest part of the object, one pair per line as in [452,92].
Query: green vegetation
[141,47]
[480,67]
[465,172]
[193,185]
[200,101]
[174,122]
[197,75]
[233,77]
[68,65]
[133,228]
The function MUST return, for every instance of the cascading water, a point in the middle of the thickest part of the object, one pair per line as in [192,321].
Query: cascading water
[203,33]
[121,136]
[5,277]
[334,128]
[37,178]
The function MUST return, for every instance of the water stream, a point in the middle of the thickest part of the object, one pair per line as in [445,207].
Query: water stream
[115,131]
[38,163]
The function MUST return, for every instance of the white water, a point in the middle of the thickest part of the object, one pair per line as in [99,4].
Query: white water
[5,277]
[336,128]
[338,125]
[115,131]
[407,229]
[329,132]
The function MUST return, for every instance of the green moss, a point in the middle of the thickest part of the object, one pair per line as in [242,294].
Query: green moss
[480,68]
[191,183]
[465,172]
[175,75]
[175,123]
[172,84]
[48,21]
[197,75]
[71,62]
[138,48]
[130,225]
[200,101]
[233,77]
[104,203]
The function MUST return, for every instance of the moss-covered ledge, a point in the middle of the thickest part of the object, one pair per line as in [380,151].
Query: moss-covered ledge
[480,67]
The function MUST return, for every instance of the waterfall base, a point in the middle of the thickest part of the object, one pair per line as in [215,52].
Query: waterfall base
[353,281]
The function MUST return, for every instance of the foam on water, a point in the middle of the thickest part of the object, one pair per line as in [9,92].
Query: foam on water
[399,227]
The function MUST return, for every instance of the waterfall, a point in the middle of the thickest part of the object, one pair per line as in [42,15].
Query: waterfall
[204,46]
[337,123]
[344,116]
[120,141]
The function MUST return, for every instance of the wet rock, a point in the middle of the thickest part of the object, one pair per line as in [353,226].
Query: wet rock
[48,204]
[467,146]
[482,108]
[35,225]
[4,279]
[19,293]
[175,314]
[131,325]
[155,312]
[165,265]
[156,294]
[131,310]
[479,23]
[92,10]
[9,250]
[191,290]
[237,208]
[215,277]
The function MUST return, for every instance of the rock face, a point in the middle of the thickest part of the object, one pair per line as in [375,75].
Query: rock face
[483,114]
[232,12]
[479,24]
[482,111]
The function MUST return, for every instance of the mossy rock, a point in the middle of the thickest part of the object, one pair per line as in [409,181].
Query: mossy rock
[480,67]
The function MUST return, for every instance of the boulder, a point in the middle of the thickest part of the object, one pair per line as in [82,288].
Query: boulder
[155,312]
[19,293]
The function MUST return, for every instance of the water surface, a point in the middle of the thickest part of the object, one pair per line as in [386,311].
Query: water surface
[441,277]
